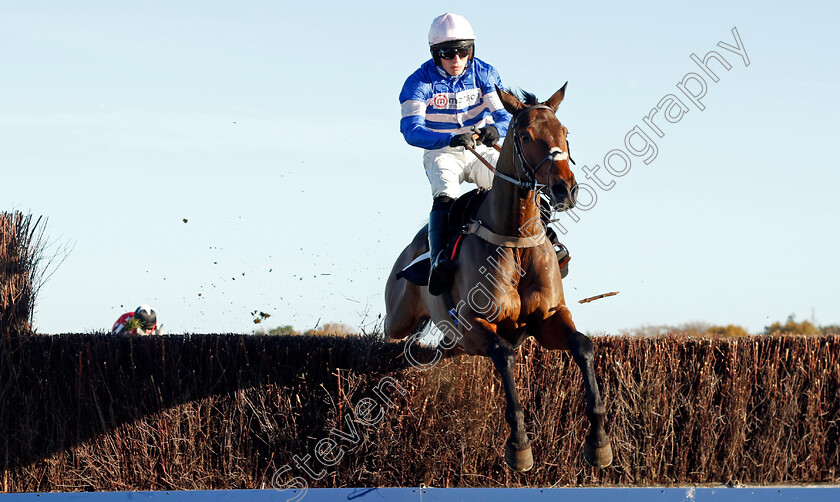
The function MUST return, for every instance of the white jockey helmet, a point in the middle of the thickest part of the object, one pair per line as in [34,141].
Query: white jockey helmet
[449,32]
[449,28]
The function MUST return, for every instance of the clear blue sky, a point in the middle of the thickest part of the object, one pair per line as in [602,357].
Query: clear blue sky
[273,128]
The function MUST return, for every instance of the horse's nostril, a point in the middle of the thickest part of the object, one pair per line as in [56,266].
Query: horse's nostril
[560,191]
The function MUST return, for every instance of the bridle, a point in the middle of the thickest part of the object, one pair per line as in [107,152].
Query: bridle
[520,163]
[530,184]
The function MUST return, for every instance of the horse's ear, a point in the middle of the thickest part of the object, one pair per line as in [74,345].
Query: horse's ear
[509,101]
[555,100]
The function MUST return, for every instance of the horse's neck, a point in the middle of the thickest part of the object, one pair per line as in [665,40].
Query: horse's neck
[509,209]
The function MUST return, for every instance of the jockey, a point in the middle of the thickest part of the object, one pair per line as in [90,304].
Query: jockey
[450,97]
[142,321]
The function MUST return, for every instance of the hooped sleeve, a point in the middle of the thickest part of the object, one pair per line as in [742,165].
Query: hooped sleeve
[413,102]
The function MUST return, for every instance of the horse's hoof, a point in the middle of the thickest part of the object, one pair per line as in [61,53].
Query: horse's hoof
[599,457]
[519,460]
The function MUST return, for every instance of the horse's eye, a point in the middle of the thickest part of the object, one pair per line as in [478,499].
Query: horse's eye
[525,137]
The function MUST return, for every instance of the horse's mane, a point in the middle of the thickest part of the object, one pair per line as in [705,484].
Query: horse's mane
[526,97]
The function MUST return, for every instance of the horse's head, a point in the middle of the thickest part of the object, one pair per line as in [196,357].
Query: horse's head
[540,147]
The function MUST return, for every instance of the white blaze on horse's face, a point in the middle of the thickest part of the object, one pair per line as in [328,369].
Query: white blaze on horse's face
[563,188]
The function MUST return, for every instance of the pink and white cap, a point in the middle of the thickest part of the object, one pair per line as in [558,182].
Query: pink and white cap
[449,27]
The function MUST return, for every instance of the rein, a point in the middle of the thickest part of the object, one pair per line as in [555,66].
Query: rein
[527,185]
[530,184]
[475,226]
[555,154]
[521,184]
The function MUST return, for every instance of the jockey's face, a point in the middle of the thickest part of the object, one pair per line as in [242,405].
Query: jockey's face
[456,65]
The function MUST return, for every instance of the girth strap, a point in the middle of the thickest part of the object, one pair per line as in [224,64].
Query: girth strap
[475,227]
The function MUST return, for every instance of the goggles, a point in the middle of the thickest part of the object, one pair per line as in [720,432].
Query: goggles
[450,53]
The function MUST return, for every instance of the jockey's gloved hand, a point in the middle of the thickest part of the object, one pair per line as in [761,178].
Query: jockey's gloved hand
[488,135]
[465,139]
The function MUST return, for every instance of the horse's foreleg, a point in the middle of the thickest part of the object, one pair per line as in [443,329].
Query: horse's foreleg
[596,449]
[517,448]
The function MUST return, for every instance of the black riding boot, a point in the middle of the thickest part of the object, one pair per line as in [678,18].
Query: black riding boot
[440,275]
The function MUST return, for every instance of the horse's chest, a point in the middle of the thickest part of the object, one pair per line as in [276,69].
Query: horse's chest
[536,304]
[523,304]
[518,289]
[539,295]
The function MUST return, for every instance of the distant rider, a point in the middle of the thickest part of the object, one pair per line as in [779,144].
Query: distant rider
[143,321]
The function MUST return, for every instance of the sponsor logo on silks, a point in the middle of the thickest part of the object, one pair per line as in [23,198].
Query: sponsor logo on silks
[460,100]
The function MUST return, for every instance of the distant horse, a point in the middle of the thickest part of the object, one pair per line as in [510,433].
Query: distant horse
[507,282]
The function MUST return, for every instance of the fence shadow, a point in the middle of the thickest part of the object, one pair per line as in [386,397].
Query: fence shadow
[59,391]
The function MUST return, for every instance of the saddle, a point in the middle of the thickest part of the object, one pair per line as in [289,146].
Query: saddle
[460,214]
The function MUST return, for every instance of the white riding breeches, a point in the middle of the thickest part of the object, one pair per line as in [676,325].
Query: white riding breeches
[448,167]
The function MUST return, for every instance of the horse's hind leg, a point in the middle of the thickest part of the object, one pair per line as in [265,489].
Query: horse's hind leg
[517,447]
[404,309]
[596,449]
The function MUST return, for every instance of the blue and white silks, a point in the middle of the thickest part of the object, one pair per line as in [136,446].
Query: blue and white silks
[437,106]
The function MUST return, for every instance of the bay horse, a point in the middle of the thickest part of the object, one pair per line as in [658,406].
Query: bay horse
[507,284]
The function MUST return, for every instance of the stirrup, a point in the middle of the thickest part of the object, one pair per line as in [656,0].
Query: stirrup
[563,258]
[560,250]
